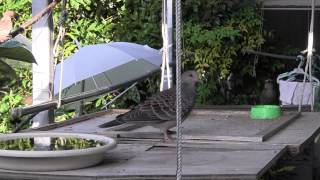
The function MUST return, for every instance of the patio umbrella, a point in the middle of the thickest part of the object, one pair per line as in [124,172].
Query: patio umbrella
[102,65]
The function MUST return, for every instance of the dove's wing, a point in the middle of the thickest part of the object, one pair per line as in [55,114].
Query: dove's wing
[159,107]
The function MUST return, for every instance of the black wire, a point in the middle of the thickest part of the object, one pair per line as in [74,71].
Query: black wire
[278,56]
[63,15]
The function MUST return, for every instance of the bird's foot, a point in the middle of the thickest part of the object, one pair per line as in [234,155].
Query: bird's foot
[171,132]
[166,137]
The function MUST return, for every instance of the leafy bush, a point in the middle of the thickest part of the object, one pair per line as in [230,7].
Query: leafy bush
[215,34]
[9,101]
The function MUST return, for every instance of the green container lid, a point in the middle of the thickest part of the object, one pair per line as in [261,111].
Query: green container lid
[268,112]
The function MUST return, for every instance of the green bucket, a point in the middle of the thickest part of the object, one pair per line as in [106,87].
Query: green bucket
[267,112]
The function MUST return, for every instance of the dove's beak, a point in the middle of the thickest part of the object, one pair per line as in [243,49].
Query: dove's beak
[16,17]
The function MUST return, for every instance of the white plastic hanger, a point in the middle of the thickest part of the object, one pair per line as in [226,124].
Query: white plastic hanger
[297,71]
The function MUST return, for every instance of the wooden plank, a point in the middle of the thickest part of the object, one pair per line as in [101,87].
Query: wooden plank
[201,125]
[236,128]
[215,159]
[278,125]
[299,134]
[143,162]
[222,146]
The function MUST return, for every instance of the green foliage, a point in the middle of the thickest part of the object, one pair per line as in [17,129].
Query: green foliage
[24,81]
[62,115]
[6,73]
[215,33]
[86,22]
[22,7]
[280,172]
[103,100]
[9,101]
[24,144]
[139,21]
[205,90]
[212,46]
[209,51]
[56,144]
[18,89]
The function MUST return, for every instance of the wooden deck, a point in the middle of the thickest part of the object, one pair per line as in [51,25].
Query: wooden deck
[218,144]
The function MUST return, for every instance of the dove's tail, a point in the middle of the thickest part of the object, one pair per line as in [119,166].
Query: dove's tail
[113,123]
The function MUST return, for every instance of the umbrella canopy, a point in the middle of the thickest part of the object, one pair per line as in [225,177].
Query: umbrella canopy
[101,65]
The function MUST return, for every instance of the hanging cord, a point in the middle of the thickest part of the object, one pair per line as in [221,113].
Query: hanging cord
[61,23]
[60,39]
[61,69]
[308,67]
[164,50]
[178,90]
[165,68]
[256,57]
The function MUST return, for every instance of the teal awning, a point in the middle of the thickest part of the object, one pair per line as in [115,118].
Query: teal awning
[18,48]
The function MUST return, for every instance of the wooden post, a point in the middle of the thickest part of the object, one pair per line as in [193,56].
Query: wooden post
[43,71]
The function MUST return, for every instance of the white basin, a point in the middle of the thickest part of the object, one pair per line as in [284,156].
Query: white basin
[46,160]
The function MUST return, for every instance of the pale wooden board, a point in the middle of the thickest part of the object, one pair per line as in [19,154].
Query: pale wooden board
[299,134]
[206,125]
[221,159]
[143,162]
[296,135]
[235,128]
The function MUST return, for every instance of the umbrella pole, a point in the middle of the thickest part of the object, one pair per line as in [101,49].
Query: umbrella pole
[79,109]
[22,111]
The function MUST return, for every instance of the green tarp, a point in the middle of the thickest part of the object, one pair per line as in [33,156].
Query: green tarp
[18,48]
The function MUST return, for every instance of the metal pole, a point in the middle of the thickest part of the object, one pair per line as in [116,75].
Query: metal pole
[21,111]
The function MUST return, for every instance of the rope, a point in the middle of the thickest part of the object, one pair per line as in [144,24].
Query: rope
[62,32]
[61,67]
[256,57]
[178,90]
[309,60]
[165,68]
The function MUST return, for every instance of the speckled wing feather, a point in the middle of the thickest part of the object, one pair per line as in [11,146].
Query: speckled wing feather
[160,107]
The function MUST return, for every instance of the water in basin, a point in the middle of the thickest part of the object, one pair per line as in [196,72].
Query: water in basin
[55,144]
